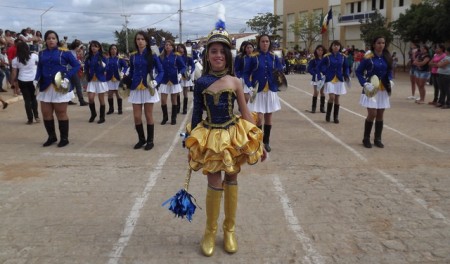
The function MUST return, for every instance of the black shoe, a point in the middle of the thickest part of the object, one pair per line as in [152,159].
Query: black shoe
[29,122]
[101,121]
[336,121]
[139,144]
[366,143]
[71,103]
[267,147]
[92,118]
[5,104]
[3,90]
[378,143]
[83,103]
[63,143]
[50,141]
[149,146]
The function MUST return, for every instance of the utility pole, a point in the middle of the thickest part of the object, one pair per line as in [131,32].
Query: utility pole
[181,28]
[126,32]
[43,15]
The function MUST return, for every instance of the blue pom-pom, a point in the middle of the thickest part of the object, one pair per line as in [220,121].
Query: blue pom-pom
[181,204]
[220,25]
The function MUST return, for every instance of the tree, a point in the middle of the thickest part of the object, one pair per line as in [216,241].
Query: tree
[267,23]
[307,28]
[374,26]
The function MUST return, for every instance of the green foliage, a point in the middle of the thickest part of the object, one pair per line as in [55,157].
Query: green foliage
[307,28]
[427,21]
[375,26]
[267,23]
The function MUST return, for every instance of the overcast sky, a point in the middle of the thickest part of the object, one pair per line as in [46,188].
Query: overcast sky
[98,19]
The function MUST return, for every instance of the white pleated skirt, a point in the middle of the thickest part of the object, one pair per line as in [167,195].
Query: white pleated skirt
[143,97]
[52,96]
[97,87]
[265,102]
[187,83]
[170,88]
[379,101]
[337,88]
[246,89]
[113,86]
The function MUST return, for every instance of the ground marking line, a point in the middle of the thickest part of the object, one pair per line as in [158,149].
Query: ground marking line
[105,131]
[385,126]
[328,133]
[399,185]
[83,155]
[140,201]
[312,256]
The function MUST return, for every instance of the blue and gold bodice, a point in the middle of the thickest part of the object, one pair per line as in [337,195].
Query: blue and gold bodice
[218,105]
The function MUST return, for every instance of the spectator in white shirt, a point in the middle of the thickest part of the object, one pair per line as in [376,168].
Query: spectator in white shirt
[26,64]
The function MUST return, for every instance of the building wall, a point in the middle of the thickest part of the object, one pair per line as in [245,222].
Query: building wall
[342,27]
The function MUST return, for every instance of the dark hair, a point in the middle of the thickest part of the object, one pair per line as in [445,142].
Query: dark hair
[440,46]
[259,40]
[75,44]
[163,53]
[23,52]
[246,45]
[315,51]
[51,32]
[228,58]
[242,48]
[386,54]
[184,49]
[337,43]
[426,47]
[39,32]
[110,48]
[147,46]
[100,50]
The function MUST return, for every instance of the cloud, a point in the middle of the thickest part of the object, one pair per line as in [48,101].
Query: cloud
[81,2]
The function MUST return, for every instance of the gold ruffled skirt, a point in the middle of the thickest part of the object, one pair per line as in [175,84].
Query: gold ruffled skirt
[224,149]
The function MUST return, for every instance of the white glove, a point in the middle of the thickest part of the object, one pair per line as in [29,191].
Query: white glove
[35,83]
[163,39]
[153,84]
[179,77]
[103,64]
[392,84]
[121,75]
[65,83]
[369,86]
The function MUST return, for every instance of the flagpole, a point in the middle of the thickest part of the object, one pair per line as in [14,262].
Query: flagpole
[332,23]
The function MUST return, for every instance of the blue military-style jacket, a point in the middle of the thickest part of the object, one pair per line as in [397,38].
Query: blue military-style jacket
[334,66]
[93,67]
[115,65]
[260,68]
[139,69]
[173,65]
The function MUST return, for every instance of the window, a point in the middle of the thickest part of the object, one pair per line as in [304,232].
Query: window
[359,7]
[374,4]
[381,4]
[352,8]
[401,3]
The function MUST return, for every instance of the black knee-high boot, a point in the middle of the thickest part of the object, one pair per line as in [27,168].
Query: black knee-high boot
[329,108]
[119,105]
[314,104]
[102,114]
[141,136]
[93,112]
[336,114]
[266,137]
[185,102]
[378,130]
[63,132]
[111,106]
[150,134]
[367,130]
[165,115]
[173,120]
[50,127]
[178,103]
[322,104]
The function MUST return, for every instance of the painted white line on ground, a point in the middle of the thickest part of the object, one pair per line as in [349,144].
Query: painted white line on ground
[312,256]
[410,192]
[385,126]
[106,129]
[140,201]
[401,187]
[82,155]
[328,133]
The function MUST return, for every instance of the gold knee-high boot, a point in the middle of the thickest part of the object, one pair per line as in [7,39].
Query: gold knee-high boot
[213,203]
[230,207]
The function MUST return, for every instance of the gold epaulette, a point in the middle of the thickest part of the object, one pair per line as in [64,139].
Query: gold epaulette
[368,56]
[133,53]
[254,54]
[63,49]
[343,54]
[327,54]
[177,53]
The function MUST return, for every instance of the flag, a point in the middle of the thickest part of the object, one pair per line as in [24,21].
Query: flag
[326,20]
